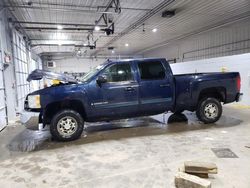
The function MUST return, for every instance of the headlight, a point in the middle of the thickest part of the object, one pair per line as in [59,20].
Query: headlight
[34,101]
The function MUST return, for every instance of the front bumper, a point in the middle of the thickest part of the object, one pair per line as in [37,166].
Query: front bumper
[30,119]
[239,97]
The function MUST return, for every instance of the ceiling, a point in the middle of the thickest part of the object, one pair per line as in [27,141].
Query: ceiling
[133,25]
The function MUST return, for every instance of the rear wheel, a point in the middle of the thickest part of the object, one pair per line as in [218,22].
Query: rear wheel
[66,125]
[178,112]
[209,110]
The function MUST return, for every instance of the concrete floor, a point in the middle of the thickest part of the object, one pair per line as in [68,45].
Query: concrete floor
[142,152]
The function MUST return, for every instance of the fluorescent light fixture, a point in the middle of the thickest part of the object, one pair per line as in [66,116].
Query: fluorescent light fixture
[113,51]
[59,42]
[97,28]
[154,30]
[59,36]
[126,44]
[59,27]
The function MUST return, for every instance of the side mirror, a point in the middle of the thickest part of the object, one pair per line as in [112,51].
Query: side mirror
[101,79]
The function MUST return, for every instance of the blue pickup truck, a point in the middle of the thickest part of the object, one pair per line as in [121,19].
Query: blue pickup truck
[123,89]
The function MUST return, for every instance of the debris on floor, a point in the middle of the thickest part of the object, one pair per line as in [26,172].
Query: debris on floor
[247,146]
[192,174]
[201,169]
[184,180]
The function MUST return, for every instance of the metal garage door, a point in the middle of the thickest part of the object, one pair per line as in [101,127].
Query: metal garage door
[35,84]
[2,97]
[21,60]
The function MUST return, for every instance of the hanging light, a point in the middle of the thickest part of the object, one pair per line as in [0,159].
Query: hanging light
[97,28]
[154,30]
[59,27]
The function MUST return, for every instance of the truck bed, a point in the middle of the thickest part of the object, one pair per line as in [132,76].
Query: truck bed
[188,87]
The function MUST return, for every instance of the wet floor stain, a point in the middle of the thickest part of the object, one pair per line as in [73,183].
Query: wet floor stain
[139,152]
[28,140]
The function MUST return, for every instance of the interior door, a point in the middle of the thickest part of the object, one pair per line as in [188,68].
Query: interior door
[156,87]
[119,95]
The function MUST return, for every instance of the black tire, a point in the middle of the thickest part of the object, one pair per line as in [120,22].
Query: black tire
[203,112]
[178,112]
[62,132]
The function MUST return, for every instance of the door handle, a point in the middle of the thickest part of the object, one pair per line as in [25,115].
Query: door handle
[164,85]
[129,89]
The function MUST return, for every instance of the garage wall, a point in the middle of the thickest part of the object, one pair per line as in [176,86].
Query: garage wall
[236,63]
[232,39]
[21,64]
[8,71]
[24,64]
[2,94]
[74,65]
[14,74]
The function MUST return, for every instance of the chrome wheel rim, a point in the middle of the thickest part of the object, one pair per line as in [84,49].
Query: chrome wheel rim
[211,110]
[67,126]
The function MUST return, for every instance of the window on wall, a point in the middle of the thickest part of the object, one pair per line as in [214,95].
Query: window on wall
[151,70]
[21,69]
[118,73]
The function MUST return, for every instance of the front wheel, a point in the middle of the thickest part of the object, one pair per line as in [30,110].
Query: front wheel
[209,110]
[66,125]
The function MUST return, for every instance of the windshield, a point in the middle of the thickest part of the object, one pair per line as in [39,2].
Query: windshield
[91,73]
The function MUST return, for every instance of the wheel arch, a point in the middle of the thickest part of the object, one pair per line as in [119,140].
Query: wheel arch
[215,92]
[52,108]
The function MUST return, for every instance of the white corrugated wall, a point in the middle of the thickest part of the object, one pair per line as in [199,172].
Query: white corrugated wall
[13,85]
[225,41]
[235,63]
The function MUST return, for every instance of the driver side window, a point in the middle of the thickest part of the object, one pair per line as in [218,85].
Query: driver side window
[118,73]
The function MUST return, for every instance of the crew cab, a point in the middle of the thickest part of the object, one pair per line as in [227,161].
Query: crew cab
[120,89]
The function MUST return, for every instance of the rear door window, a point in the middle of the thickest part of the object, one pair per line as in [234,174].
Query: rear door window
[151,70]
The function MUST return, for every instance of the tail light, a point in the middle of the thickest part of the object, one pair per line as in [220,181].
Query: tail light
[238,83]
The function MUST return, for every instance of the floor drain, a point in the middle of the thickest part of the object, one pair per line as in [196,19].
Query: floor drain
[224,153]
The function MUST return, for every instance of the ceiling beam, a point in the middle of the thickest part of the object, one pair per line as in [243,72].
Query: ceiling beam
[73,45]
[104,16]
[67,6]
[138,22]
[55,28]
[13,7]
[46,39]
[54,23]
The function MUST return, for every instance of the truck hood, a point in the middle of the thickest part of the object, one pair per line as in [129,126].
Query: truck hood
[38,74]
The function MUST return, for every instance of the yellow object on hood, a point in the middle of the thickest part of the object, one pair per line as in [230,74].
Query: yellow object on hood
[55,82]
